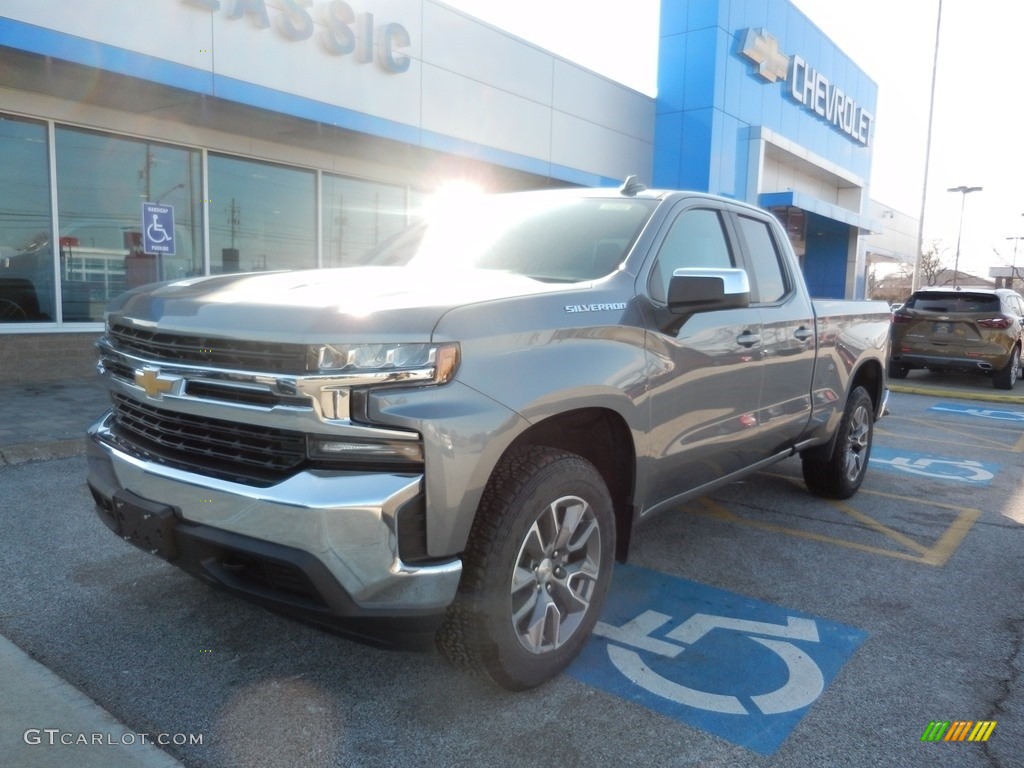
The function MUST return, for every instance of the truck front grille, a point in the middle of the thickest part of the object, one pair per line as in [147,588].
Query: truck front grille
[268,357]
[242,453]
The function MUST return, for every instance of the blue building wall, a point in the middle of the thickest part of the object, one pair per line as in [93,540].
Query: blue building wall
[710,96]
[825,262]
[709,93]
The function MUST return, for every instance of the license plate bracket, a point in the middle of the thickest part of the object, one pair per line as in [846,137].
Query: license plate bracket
[146,524]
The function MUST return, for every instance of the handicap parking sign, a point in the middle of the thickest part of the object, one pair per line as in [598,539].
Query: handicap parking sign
[740,668]
[158,229]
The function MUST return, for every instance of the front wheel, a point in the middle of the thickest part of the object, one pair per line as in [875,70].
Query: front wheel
[839,476]
[536,569]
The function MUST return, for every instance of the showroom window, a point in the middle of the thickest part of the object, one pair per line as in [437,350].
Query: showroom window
[109,240]
[357,215]
[26,261]
[262,216]
[131,212]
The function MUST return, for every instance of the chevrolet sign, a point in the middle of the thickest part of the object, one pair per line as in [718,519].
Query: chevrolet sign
[807,86]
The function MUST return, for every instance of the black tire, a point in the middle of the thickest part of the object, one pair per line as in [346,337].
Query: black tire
[543,541]
[1006,377]
[839,476]
[897,371]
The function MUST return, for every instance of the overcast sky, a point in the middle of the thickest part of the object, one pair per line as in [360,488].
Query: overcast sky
[979,113]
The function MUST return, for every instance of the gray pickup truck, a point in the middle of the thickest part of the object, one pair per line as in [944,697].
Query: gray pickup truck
[458,436]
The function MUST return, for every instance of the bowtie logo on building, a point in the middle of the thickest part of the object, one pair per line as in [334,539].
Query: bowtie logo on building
[763,49]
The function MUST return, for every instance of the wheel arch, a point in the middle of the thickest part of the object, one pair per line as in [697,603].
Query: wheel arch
[869,375]
[602,437]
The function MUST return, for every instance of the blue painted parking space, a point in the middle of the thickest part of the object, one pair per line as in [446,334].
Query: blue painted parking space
[936,467]
[731,665]
[978,411]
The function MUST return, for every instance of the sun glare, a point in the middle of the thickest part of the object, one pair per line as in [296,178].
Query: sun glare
[452,195]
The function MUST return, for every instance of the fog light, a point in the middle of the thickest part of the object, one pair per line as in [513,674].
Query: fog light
[362,451]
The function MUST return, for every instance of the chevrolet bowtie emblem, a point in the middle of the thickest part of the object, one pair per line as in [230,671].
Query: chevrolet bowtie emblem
[154,383]
[763,49]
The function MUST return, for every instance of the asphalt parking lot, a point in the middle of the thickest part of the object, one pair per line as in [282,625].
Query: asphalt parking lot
[759,626]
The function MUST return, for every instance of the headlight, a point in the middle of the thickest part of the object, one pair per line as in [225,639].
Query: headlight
[424,362]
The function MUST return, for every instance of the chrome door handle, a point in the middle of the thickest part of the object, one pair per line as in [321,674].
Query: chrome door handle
[748,339]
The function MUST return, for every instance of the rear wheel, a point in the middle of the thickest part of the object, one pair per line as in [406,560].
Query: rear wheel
[536,569]
[1007,377]
[839,476]
[897,371]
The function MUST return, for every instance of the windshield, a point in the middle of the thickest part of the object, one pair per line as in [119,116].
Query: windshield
[556,239]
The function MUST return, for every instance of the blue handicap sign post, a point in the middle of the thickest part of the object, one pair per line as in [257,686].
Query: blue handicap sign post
[740,668]
[158,229]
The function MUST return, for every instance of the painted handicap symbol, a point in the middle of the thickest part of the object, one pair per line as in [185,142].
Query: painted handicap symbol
[803,686]
[981,413]
[722,662]
[962,470]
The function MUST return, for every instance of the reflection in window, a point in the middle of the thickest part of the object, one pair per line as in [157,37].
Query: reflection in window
[696,239]
[102,182]
[262,216]
[357,215]
[26,260]
[554,239]
[769,277]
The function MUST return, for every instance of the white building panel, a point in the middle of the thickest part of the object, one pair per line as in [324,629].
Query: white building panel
[590,96]
[167,29]
[243,51]
[465,79]
[463,108]
[458,43]
[581,144]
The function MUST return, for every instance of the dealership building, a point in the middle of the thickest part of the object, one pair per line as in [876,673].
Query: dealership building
[172,138]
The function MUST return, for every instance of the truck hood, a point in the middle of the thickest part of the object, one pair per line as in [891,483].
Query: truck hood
[371,303]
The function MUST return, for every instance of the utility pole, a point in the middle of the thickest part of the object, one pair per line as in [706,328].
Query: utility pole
[234,219]
[1013,267]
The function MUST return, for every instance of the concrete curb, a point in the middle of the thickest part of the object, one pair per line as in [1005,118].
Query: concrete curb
[54,449]
[84,734]
[988,396]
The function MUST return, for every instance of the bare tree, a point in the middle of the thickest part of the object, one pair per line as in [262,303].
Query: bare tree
[873,281]
[930,266]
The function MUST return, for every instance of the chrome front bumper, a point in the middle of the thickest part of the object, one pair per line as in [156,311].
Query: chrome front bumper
[347,522]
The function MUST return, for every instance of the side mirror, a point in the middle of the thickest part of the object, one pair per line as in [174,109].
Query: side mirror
[706,290]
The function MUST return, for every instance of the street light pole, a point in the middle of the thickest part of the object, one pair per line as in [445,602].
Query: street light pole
[964,191]
[915,280]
